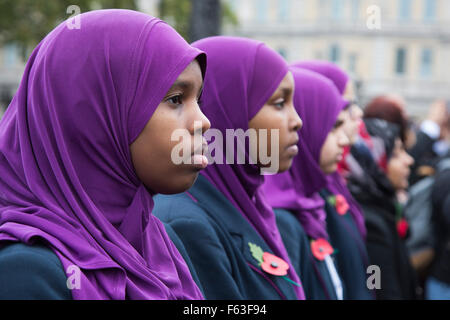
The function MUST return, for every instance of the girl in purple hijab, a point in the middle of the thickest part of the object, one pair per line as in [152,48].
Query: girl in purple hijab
[344,218]
[224,221]
[336,183]
[296,192]
[84,146]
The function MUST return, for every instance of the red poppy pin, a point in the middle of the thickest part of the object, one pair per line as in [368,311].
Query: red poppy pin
[402,228]
[270,263]
[321,248]
[340,203]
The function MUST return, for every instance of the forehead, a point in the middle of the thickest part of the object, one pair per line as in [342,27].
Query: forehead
[398,144]
[343,115]
[191,71]
[287,83]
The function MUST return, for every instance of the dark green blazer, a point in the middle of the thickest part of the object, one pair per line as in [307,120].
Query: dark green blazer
[216,237]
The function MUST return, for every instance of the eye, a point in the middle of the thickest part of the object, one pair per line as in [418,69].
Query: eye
[279,103]
[176,100]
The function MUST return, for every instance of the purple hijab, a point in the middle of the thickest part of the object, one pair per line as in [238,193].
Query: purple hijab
[328,70]
[336,183]
[242,75]
[67,175]
[318,103]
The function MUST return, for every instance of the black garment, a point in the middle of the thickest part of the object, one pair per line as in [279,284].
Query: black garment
[36,273]
[216,237]
[31,273]
[376,196]
[440,198]
[352,258]
[423,155]
[388,251]
[314,274]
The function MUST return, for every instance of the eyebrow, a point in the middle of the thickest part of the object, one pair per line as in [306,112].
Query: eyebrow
[284,91]
[339,122]
[185,85]
[181,84]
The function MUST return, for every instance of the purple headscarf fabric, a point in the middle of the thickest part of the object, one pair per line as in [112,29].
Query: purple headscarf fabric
[67,177]
[328,70]
[318,103]
[242,75]
[336,183]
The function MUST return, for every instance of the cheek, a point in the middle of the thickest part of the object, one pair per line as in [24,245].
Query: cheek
[355,126]
[329,148]
[279,123]
[151,152]
[396,172]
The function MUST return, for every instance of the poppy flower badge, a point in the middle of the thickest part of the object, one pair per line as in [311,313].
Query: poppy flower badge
[270,263]
[340,203]
[401,222]
[321,248]
[402,228]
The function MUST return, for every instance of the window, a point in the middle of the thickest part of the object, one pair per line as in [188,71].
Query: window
[355,9]
[233,5]
[400,61]
[262,8]
[352,61]
[337,9]
[430,10]
[426,63]
[335,53]
[10,55]
[283,10]
[405,9]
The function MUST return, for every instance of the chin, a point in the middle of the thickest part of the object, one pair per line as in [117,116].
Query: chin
[285,166]
[179,184]
[330,169]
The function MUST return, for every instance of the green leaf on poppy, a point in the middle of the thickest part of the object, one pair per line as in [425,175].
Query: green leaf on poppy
[332,200]
[256,251]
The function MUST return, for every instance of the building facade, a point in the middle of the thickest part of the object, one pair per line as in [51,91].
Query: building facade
[11,70]
[388,46]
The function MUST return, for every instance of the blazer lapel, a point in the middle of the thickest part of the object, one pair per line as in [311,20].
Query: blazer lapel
[211,199]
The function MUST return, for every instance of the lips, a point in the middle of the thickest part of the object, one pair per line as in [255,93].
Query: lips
[198,158]
[201,150]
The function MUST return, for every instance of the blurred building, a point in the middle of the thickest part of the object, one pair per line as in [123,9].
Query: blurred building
[12,65]
[408,55]
[11,70]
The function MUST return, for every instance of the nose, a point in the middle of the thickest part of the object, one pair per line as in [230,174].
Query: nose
[357,112]
[344,140]
[409,159]
[200,122]
[295,120]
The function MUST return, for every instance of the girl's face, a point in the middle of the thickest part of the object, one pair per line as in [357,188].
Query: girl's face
[353,114]
[151,152]
[279,113]
[333,147]
[398,166]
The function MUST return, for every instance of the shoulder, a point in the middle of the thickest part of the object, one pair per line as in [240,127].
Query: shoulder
[379,227]
[31,272]
[177,207]
[189,221]
[287,222]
